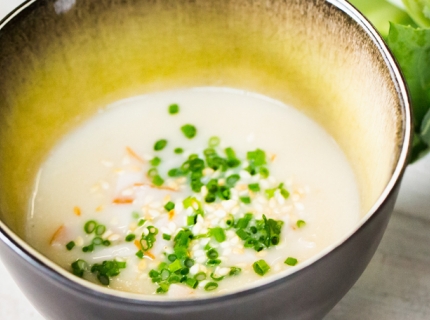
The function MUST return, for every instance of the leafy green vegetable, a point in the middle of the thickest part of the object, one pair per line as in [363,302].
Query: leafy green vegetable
[411,47]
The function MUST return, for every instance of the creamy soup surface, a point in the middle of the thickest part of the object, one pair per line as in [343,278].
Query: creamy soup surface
[191,192]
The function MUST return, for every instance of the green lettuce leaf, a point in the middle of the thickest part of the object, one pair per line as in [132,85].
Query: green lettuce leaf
[419,11]
[411,47]
[380,12]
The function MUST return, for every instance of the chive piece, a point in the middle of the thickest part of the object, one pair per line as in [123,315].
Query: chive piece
[291,261]
[130,237]
[300,223]
[141,222]
[90,226]
[178,150]
[216,278]
[100,229]
[261,267]
[218,233]
[212,254]
[213,262]
[189,131]
[175,266]
[70,245]
[214,142]
[97,241]
[189,262]
[160,145]
[167,236]
[78,267]
[200,276]
[139,254]
[157,180]
[234,271]
[232,180]
[173,108]
[153,172]
[254,187]
[192,283]
[155,161]
[89,248]
[169,206]
[210,286]
[246,200]
[191,220]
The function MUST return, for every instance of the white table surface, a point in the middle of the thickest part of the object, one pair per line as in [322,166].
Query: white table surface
[395,286]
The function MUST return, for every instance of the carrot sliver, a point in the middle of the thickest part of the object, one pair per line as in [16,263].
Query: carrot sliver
[149,254]
[171,214]
[137,244]
[56,234]
[77,211]
[131,152]
[122,201]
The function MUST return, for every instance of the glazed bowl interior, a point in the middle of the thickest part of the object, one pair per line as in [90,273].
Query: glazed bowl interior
[61,63]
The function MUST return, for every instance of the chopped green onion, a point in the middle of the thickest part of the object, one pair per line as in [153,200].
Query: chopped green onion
[155,161]
[234,271]
[210,286]
[254,187]
[242,234]
[212,254]
[141,222]
[169,206]
[231,180]
[167,236]
[261,267]
[135,215]
[191,220]
[78,267]
[173,108]
[100,229]
[153,172]
[89,248]
[157,180]
[130,237]
[70,245]
[216,278]
[97,241]
[175,266]
[90,226]
[300,223]
[200,276]
[291,261]
[160,145]
[214,142]
[218,233]
[106,243]
[213,262]
[178,150]
[139,254]
[189,262]
[193,283]
[246,200]
[189,131]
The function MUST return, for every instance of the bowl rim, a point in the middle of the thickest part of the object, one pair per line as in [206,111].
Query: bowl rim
[94,291]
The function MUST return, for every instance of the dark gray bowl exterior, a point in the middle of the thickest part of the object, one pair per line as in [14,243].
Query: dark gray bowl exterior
[328,280]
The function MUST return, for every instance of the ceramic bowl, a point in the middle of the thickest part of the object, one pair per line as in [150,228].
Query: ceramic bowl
[60,60]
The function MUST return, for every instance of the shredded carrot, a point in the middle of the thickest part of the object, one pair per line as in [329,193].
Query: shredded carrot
[138,185]
[77,211]
[131,152]
[137,244]
[162,187]
[122,200]
[56,234]
[171,214]
[99,208]
[149,254]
